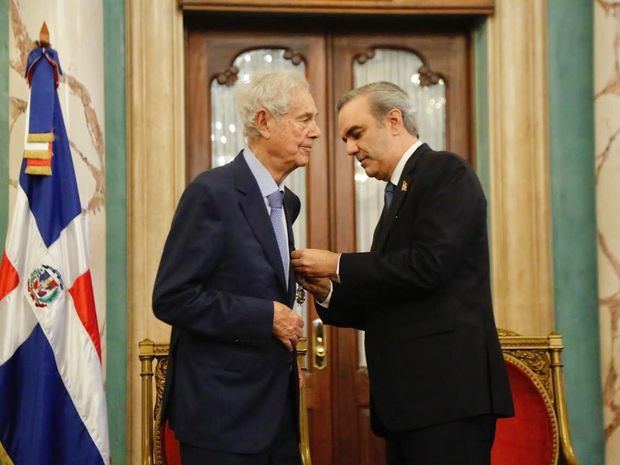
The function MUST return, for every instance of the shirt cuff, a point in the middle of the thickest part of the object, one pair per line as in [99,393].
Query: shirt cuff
[338,270]
[325,303]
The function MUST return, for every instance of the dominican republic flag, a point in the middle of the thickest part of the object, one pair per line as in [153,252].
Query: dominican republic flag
[52,400]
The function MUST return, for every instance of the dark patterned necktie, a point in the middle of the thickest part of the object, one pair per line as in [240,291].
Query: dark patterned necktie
[389,194]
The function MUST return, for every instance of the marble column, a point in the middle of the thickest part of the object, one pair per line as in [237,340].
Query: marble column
[607,133]
[156,163]
[519,167]
[76,32]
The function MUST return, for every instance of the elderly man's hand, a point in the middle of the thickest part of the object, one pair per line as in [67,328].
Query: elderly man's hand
[315,263]
[287,325]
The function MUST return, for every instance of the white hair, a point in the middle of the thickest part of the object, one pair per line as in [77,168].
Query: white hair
[270,91]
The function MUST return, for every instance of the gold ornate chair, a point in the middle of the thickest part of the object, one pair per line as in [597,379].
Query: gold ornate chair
[539,433]
[159,446]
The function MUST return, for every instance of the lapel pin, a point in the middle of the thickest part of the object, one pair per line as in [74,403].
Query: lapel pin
[404,186]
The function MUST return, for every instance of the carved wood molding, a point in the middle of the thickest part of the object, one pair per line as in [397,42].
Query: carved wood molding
[160,377]
[427,77]
[538,362]
[228,77]
[366,55]
[534,352]
[294,57]
[545,394]
[345,6]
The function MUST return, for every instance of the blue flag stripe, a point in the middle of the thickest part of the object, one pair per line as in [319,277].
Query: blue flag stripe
[38,420]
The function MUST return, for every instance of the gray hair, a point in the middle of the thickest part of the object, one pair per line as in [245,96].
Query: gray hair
[384,96]
[270,91]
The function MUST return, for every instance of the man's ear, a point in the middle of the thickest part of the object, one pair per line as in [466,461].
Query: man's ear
[394,119]
[262,120]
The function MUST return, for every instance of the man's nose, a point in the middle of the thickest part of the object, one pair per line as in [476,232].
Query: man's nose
[352,148]
[314,130]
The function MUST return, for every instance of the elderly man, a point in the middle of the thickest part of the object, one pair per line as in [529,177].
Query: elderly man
[226,285]
[422,294]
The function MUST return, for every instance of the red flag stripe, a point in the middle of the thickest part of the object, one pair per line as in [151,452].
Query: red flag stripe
[9,279]
[84,301]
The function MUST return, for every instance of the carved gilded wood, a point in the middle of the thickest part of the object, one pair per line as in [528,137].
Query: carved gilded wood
[539,358]
[152,447]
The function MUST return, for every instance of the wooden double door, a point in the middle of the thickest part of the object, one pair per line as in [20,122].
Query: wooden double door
[338,214]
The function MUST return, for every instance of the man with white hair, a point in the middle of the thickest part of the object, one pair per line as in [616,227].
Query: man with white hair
[226,285]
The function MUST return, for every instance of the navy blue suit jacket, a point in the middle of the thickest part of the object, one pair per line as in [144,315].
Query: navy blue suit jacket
[228,377]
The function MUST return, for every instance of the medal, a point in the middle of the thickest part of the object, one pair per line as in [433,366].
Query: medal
[300,296]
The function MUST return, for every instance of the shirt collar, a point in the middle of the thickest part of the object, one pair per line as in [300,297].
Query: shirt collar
[400,166]
[265,181]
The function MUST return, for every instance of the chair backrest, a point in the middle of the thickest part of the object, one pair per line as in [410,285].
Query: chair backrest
[159,445]
[538,434]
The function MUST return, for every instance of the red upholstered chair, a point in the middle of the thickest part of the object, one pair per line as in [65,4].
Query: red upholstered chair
[538,434]
[159,445]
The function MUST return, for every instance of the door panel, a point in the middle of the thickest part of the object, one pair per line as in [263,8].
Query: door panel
[329,53]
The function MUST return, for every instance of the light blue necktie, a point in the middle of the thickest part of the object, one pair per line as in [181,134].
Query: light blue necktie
[389,194]
[276,199]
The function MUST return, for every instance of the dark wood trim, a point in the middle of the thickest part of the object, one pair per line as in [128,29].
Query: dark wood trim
[198,104]
[389,7]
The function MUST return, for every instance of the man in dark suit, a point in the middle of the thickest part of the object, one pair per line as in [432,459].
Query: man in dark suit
[422,294]
[226,286]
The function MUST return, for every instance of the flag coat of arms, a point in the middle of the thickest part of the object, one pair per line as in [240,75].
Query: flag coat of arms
[52,400]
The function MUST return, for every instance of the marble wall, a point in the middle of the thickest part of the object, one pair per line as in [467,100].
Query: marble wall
[607,124]
[76,32]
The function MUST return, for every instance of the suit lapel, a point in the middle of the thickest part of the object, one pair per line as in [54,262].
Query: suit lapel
[289,213]
[253,207]
[378,231]
[404,185]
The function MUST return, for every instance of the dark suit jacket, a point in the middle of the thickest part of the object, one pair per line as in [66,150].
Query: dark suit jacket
[423,297]
[228,377]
